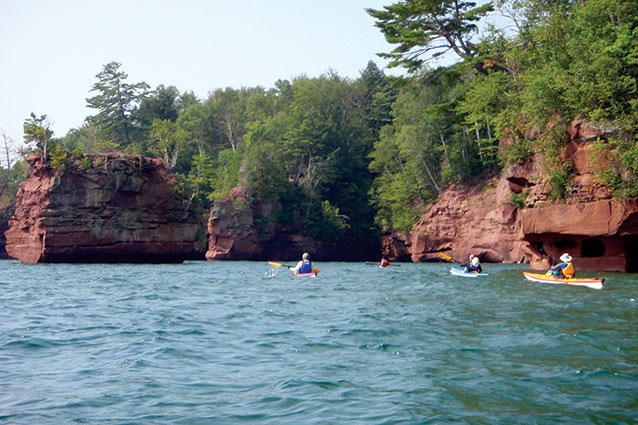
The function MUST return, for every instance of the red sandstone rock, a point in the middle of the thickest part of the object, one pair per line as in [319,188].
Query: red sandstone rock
[121,209]
[234,233]
[599,233]
[468,221]
[584,131]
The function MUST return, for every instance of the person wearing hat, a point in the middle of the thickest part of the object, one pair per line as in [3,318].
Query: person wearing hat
[303,266]
[564,269]
[473,265]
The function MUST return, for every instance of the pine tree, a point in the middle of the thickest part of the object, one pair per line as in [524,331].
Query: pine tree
[116,104]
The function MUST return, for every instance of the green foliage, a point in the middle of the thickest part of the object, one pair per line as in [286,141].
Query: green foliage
[37,132]
[10,180]
[518,152]
[428,146]
[426,29]
[518,199]
[616,165]
[58,158]
[116,103]
[227,174]
[168,141]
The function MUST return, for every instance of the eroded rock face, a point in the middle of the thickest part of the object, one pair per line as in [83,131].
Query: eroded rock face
[105,208]
[477,220]
[239,230]
[600,233]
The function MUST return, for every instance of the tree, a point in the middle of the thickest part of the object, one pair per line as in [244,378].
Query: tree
[116,103]
[161,103]
[426,29]
[169,140]
[378,97]
[10,179]
[8,147]
[37,131]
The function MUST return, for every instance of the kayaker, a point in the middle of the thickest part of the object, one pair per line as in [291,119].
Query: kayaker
[384,262]
[564,269]
[303,266]
[473,265]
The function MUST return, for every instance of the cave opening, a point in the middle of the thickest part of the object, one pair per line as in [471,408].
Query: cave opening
[564,244]
[631,253]
[592,248]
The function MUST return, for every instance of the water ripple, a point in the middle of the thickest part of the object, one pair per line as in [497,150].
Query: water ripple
[219,343]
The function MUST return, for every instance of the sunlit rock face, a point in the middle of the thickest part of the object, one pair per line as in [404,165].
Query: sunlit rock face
[484,218]
[477,219]
[102,208]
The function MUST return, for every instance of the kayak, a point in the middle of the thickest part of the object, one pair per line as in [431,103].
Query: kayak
[311,274]
[463,273]
[590,283]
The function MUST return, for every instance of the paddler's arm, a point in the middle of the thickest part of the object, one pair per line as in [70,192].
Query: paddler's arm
[297,267]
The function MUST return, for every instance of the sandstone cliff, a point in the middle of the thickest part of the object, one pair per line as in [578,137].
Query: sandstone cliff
[102,208]
[239,230]
[600,232]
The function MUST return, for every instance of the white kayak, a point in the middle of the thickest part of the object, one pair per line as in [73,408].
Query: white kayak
[463,273]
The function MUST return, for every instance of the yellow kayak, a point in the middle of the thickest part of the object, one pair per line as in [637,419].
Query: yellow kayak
[590,283]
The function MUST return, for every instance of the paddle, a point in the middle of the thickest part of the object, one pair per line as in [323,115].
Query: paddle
[272,263]
[551,260]
[447,257]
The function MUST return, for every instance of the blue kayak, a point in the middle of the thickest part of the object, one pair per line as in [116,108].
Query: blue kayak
[463,273]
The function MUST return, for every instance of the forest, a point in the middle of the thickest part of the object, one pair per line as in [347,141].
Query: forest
[347,159]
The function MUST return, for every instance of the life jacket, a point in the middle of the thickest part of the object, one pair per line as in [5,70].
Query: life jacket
[306,267]
[569,270]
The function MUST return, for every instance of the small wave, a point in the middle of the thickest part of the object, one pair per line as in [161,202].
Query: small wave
[31,343]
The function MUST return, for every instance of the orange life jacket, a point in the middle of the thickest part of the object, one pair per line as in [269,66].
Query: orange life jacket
[569,271]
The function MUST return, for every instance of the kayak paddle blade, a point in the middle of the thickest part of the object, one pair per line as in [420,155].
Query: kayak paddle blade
[447,257]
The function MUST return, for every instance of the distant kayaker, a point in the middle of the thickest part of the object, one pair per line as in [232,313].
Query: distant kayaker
[473,265]
[303,266]
[564,269]
[384,262]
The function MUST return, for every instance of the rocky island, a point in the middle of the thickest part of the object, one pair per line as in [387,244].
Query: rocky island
[102,208]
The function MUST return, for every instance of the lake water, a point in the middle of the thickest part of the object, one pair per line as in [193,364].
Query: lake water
[225,343]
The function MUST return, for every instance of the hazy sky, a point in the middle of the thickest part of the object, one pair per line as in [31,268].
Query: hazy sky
[52,50]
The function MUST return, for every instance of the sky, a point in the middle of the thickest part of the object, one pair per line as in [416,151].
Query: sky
[51,51]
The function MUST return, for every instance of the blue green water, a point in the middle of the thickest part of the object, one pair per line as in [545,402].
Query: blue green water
[222,343]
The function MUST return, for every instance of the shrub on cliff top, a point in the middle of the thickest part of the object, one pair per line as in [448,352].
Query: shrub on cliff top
[58,158]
